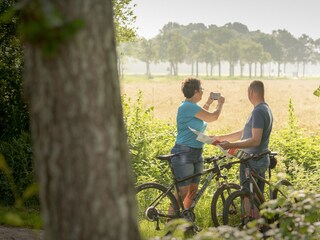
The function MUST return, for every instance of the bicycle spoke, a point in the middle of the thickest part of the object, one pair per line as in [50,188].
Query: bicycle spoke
[219,200]
[155,209]
[237,212]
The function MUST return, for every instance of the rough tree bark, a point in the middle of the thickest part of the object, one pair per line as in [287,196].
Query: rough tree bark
[79,141]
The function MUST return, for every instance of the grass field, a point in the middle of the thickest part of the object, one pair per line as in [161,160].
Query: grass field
[165,95]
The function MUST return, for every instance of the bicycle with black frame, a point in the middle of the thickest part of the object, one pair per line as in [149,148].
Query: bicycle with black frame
[242,206]
[157,203]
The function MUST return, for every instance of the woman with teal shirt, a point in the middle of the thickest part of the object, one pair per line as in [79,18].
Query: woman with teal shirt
[190,114]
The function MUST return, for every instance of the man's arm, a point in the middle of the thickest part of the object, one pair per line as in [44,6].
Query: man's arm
[254,141]
[231,137]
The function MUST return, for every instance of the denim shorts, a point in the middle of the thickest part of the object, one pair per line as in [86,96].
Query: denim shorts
[189,162]
[259,166]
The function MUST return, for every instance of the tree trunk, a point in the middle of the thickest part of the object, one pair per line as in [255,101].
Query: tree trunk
[219,64]
[241,68]
[255,69]
[269,68]
[231,69]
[177,69]
[79,140]
[285,68]
[207,69]
[192,66]
[197,68]
[261,70]
[171,69]
[211,69]
[148,69]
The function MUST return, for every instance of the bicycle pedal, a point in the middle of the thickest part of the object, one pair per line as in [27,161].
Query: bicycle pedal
[197,229]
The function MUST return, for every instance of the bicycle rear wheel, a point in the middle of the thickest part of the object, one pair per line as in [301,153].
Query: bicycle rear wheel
[219,200]
[155,207]
[235,213]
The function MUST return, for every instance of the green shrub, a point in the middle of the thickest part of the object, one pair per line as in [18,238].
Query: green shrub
[296,145]
[14,117]
[299,153]
[147,138]
[16,171]
[21,217]
[297,219]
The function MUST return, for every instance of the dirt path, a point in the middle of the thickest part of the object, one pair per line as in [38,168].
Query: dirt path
[11,233]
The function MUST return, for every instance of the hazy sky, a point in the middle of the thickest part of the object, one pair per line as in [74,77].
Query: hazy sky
[296,16]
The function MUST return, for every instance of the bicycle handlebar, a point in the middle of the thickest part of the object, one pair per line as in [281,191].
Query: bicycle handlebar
[217,158]
[244,160]
[255,156]
[214,159]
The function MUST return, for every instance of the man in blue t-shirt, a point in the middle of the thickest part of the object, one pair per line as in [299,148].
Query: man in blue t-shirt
[254,138]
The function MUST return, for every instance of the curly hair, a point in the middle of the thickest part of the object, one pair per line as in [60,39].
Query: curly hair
[190,86]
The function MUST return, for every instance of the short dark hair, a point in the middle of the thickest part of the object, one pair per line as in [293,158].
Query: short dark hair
[190,86]
[258,87]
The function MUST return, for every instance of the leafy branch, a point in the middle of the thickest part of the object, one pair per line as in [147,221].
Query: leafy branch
[41,24]
[317,92]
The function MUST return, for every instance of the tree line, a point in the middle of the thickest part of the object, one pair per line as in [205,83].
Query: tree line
[211,45]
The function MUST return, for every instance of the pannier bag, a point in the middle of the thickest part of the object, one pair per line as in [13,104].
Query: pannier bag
[273,162]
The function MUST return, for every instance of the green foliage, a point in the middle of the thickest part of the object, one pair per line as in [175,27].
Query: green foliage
[43,25]
[317,92]
[21,217]
[147,138]
[298,154]
[296,146]
[14,116]
[297,219]
[17,172]
[123,20]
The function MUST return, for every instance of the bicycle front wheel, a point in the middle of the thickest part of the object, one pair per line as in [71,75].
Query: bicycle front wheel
[219,200]
[156,205]
[237,212]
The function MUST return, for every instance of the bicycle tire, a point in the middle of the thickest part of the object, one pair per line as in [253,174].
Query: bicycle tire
[151,218]
[232,213]
[218,201]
